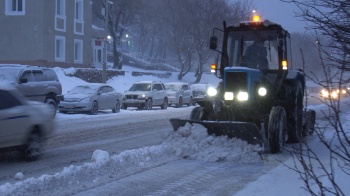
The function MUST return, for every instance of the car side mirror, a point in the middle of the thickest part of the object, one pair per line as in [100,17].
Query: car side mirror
[99,93]
[23,80]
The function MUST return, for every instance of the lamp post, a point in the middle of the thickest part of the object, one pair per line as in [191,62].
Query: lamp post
[104,65]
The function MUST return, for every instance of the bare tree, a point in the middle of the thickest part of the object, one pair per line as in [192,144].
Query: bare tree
[204,16]
[121,16]
[329,20]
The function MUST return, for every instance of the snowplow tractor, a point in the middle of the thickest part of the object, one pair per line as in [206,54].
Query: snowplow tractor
[260,97]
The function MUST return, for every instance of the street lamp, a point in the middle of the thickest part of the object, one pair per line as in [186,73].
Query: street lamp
[107,38]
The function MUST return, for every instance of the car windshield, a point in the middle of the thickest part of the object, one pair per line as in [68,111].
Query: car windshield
[84,90]
[253,50]
[8,75]
[141,87]
[174,87]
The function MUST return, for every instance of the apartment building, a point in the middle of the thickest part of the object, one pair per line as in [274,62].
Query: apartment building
[50,33]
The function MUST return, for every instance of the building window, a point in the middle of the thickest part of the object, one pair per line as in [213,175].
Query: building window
[79,10]
[60,48]
[78,51]
[15,7]
[60,8]
[79,17]
[60,16]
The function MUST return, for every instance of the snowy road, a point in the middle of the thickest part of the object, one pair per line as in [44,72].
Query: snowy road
[151,173]
[78,135]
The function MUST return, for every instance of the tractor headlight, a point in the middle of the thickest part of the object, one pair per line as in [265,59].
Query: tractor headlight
[212,91]
[229,96]
[262,91]
[242,96]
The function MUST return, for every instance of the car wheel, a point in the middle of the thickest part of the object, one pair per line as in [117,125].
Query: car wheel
[94,108]
[32,149]
[190,103]
[165,104]
[116,108]
[148,104]
[180,104]
[53,106]
[124,106]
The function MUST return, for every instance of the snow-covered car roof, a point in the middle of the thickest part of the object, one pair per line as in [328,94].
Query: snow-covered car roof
[199,86]
[86,88]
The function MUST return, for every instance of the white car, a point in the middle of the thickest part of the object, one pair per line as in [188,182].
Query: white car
[91,98]
[199,92]
[24,124]
[179,93]
[146,94]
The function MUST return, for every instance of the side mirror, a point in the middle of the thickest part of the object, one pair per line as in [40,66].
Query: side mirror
[99,93]
[280,40]
[23,80]
[213,43]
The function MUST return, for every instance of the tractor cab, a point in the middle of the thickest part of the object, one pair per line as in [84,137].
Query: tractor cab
[253,44]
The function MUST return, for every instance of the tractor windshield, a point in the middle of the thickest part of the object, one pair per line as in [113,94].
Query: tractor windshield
[257,50]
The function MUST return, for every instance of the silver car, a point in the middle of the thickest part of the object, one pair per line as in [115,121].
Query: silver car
[91,98]
[36,83]
[24,124]
[179,93]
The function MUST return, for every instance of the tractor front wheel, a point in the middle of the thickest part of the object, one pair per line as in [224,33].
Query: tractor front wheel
[277,128]
[199,113]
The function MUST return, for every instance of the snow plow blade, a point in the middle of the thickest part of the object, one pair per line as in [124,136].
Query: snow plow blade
[246,131]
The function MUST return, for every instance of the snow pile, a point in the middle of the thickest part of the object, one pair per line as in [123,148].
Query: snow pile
[193,142]
[100,156]
[101,170]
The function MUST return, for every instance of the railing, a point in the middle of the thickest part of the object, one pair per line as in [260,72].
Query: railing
[148,62]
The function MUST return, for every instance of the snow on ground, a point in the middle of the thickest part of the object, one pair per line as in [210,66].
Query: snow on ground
[190,142]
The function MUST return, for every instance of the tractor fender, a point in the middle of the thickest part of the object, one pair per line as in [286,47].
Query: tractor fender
[296,75]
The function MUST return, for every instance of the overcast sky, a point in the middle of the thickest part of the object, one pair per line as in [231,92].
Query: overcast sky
[281,13]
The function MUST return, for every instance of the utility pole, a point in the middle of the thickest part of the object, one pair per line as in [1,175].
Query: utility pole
[104,65]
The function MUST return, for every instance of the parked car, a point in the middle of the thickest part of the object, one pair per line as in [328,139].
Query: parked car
[91,98]
[199,92]
[24,124]
[179,93]
[36,83]
[146,94]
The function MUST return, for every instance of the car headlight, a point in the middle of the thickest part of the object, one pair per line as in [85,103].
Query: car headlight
[334,94]
[242,96]
[262,91]
[85,100]
[324,93]
[212,91]
[143,96]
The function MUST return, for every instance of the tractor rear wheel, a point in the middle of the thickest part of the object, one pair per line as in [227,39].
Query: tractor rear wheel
[277,128]
[295,111]
[309,127]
